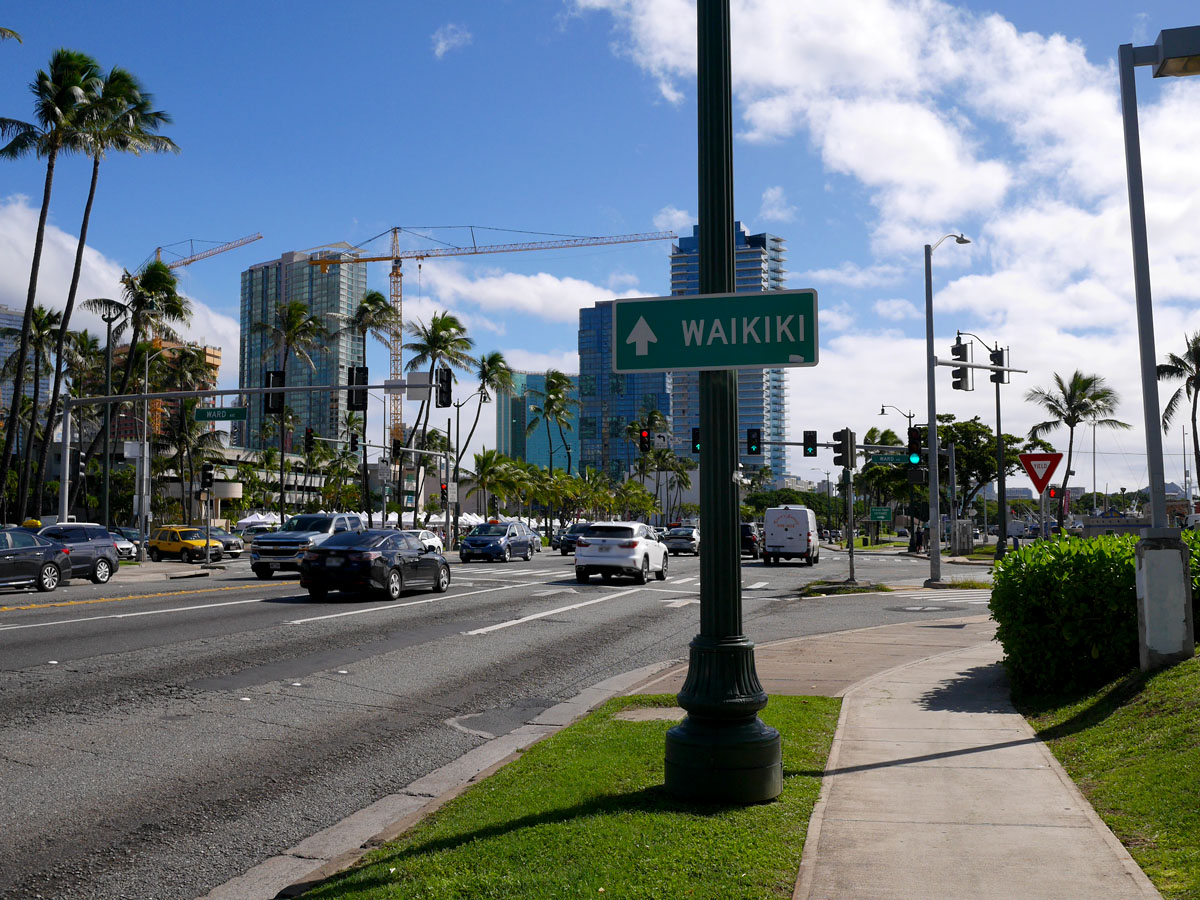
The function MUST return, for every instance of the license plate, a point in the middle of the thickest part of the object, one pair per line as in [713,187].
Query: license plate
[605,549]
[334,561]
[274,565]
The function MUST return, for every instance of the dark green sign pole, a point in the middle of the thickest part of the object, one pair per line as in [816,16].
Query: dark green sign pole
[721,751]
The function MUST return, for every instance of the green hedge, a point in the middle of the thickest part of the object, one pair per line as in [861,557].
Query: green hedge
[1067,611]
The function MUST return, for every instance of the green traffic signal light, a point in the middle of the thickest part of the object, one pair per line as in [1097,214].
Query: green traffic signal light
[914,458]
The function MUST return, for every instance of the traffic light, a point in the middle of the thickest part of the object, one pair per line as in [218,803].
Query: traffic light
[273,403]
[445,494]
[843,448]
[1052,493]
[960,375]
[206,476]
[695,440]
[308,440]
[74,467]
[397,450]
[644,440]
[998,358]
[353,442]
[444,397]
[810,444]
[754,442]
[914,445]
[356,401]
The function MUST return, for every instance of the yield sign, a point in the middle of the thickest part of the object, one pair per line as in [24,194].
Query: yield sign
[1040,467]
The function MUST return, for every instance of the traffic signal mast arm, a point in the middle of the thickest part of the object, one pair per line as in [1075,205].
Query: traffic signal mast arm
[962,364]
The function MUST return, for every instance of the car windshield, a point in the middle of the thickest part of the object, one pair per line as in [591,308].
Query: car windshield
[190,534]
[578,527]
[680,532]
[489,531]
[308,523]
[119,537]
[610,531]
[355,539]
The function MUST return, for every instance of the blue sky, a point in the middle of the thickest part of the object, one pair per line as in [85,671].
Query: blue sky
[863,131]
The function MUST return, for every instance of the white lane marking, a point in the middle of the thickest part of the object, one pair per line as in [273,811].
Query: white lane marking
[757,585]
[967,595]
[371,609]
[554,591]
[684,580]
[148,612]
[681,602]
[550,612]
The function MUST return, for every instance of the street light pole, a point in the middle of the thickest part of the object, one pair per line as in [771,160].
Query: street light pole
[912,537]
[935,515]
[1165,626]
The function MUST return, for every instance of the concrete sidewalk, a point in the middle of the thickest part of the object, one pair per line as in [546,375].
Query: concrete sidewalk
[935,786]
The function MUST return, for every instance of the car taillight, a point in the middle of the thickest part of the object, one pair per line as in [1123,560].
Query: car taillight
[67,550]
[628,545]
[363,555]
[580,542]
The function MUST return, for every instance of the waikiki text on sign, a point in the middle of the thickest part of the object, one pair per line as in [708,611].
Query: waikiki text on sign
[715,331]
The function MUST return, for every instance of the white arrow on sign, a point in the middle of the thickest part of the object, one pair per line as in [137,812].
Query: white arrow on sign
[641,337]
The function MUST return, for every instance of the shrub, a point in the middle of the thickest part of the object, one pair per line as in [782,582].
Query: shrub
[1067,611]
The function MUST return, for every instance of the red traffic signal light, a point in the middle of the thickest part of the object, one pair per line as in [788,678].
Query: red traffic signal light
[1053,493]
[644,440]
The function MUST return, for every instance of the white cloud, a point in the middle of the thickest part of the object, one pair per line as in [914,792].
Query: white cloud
[852,275]
[897,310]
[671,219]
[535,361]
[99,277]
[775,207]
[449,37]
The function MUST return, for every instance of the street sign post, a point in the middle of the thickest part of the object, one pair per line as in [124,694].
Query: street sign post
[1040,468]
[715,331]
[221,414]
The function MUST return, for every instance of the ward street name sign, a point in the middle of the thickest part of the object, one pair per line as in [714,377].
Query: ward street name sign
[219,414]
[771,329]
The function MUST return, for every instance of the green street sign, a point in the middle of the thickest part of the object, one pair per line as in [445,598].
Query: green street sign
[772,329]
[885,458]
[217,414]
[881,514]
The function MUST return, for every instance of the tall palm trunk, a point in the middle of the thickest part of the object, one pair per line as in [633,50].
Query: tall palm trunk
[23,344]
[283,409]
[27,455]
[51,410]
[1060,513]
[562,437]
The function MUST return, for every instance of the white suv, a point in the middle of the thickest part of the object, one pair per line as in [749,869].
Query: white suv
[620,548]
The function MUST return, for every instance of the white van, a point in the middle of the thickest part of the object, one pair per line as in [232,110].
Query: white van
[790,532]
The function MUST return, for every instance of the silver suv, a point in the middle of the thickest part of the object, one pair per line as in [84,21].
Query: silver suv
[282,550]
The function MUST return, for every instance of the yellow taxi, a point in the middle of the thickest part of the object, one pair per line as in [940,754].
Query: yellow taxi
[182,541]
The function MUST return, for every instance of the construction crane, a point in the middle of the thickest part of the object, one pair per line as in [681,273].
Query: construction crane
[205,254]
[396,275]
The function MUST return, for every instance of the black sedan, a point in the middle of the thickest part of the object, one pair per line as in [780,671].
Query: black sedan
[28,559]
[387,561]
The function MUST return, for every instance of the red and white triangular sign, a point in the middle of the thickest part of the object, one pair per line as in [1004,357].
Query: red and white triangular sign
[1040,467]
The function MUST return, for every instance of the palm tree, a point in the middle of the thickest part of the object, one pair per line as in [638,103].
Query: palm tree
[1082,398]
[118,116]
[495,378]
[554,406]
[295,331]
[444,338]
[8,34]
[60,96]
[490,475]
[45,328]
[1187,368]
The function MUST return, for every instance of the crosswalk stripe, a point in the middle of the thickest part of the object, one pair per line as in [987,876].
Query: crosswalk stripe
[757,585]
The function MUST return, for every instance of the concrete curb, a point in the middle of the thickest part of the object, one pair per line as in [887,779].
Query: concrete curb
[333,849]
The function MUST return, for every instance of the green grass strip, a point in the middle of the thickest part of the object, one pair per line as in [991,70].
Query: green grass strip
[1133,747]
[584,814]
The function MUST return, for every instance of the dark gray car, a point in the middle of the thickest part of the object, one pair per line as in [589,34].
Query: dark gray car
[93,553]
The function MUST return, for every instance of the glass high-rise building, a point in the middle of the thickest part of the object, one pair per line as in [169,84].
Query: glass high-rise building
[762,393]
[512,418]
[610,402]
[11,321]
[338,291]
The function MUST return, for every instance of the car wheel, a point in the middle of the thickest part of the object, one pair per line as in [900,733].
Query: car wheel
[810,560]
[395,584]
[318,595]
[643,574]
[606,577]
[102,572]
[185,555]
[582,577]
[155,556]
[529,553]
[48,577]
[507,557]
[263,573]
[563,551]
[443,580]
[661,574]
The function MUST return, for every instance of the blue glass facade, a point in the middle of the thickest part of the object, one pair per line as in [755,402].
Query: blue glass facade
[762,393]
[512,417]
[608,401]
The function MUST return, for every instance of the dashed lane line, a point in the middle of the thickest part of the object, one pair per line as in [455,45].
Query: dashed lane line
[550,612]
[131,615]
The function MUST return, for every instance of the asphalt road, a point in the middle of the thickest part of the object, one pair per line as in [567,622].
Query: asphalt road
[158,737]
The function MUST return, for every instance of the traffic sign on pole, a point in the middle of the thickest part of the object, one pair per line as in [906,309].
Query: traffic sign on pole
[1040,468]
[715,331]
[888,458]
[219,414]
